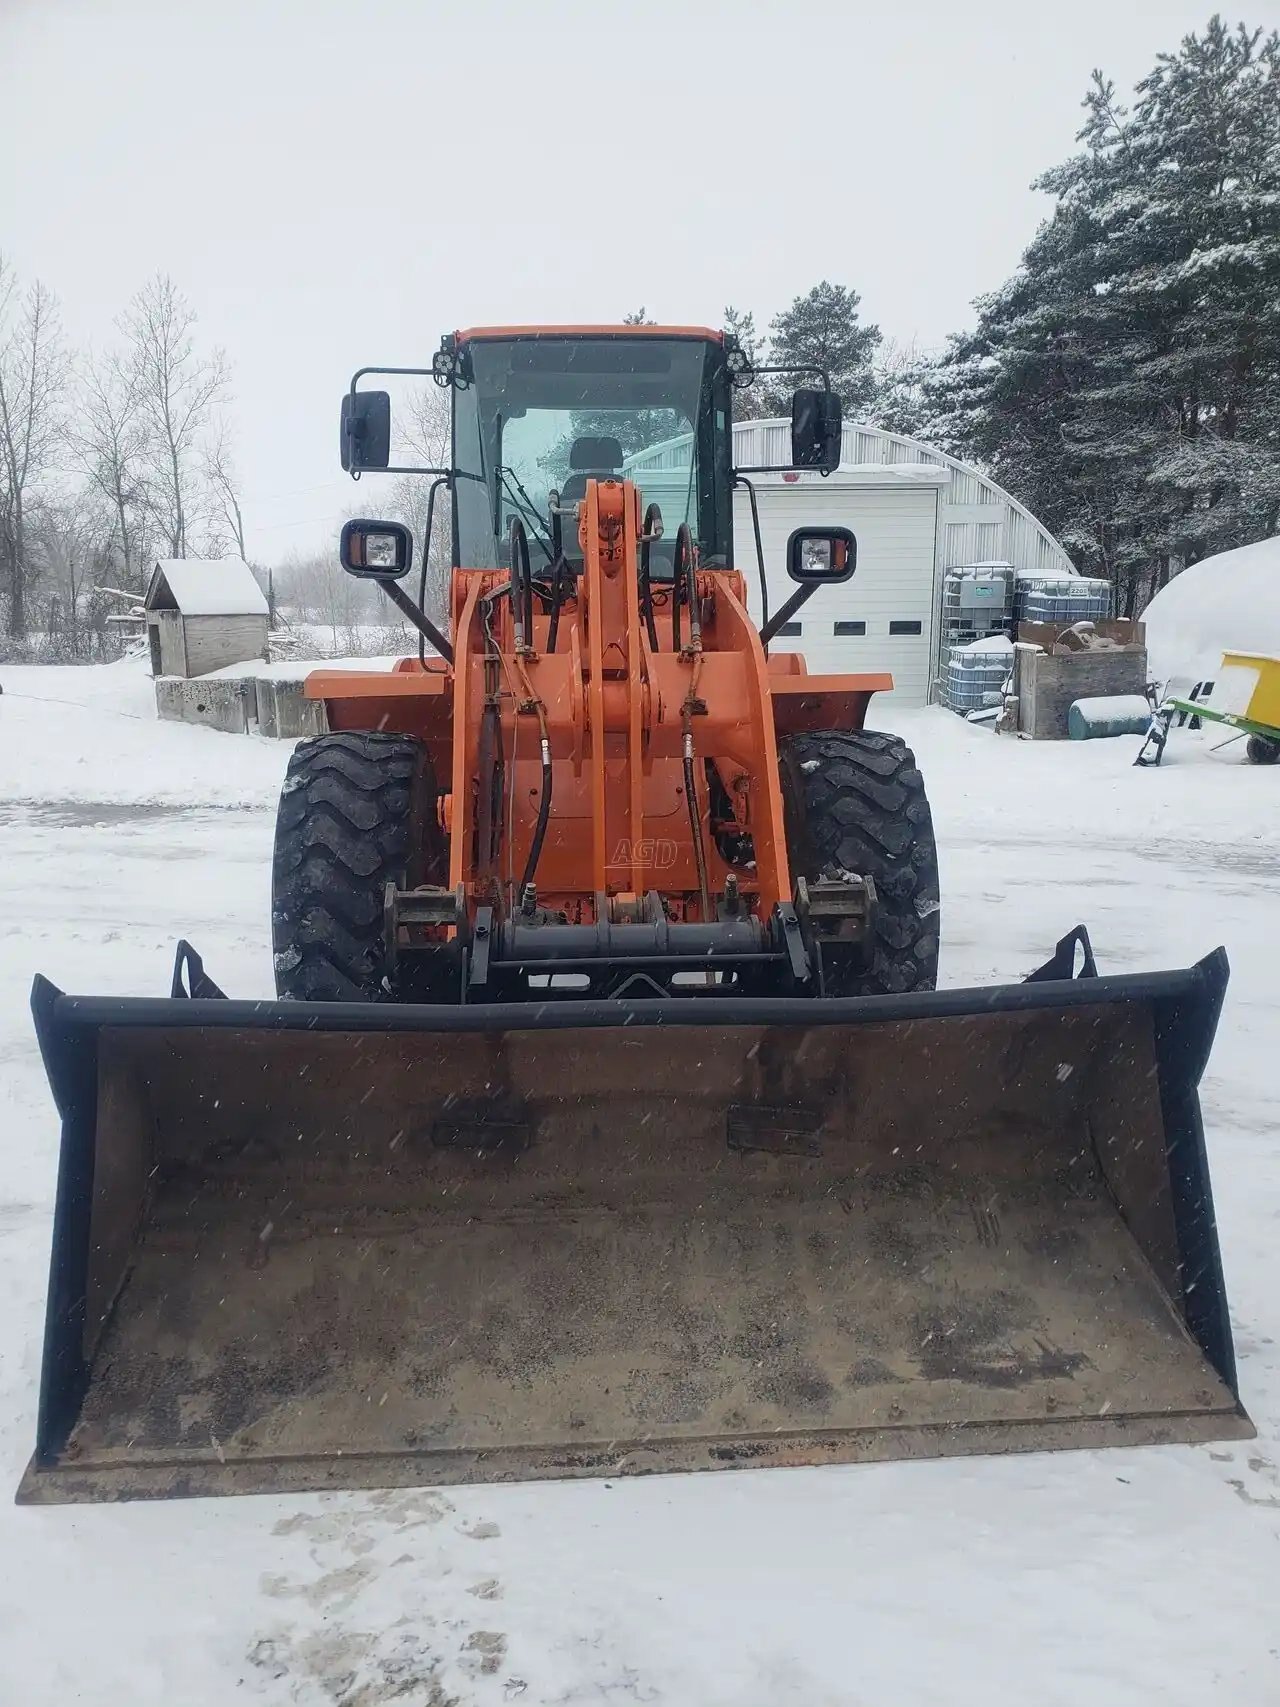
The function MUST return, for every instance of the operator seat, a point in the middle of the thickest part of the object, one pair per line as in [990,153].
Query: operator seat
[591,459]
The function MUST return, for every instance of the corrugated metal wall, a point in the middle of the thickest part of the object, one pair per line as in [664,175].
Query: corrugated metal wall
[980,523]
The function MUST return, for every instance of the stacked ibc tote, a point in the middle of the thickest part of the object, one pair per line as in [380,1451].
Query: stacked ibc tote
[977,628]
[982,606]
[1064,599]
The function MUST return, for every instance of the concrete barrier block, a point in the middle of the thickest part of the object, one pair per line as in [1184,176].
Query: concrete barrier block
[214,704]
[293,714]
[264,690]
[169,698]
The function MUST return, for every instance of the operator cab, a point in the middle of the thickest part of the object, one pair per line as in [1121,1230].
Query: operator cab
[537,414]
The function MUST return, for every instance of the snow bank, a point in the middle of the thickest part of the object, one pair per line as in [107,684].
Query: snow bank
[89,734]
[1226,603]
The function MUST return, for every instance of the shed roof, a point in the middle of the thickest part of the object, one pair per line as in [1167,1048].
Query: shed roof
[218,586]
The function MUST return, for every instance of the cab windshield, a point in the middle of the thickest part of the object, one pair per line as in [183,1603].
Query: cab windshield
[543,414]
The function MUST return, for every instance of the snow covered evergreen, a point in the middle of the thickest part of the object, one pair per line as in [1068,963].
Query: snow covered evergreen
[1125,382]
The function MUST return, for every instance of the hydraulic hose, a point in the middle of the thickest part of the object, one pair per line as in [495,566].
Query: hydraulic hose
[691,793]
[557,568]
[695,826]
[558,578]
[651,530]
[544,808]
[685,577]
[521,585]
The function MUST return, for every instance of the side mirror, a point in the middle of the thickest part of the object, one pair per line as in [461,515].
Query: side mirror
[816,423]
[364,433]
[376,551]
[821,556]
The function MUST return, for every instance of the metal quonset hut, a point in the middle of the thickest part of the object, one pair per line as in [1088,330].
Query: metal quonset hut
[916,513]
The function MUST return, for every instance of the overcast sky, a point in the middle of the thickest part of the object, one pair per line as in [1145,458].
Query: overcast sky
[334,185]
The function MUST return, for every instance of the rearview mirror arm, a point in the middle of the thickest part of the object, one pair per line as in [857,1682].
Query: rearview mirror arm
[788,610]
[423,623]
[405,468]
[819,373]
[397,468]
[802,368]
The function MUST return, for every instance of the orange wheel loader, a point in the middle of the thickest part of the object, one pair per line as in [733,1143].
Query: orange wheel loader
[608,1119]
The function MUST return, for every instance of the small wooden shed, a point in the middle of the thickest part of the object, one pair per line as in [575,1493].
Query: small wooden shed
[202,614]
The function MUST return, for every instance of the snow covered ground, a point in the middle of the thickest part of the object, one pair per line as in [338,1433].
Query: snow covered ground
[1116,1578]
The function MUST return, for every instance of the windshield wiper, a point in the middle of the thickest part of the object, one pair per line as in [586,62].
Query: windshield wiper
[525,503]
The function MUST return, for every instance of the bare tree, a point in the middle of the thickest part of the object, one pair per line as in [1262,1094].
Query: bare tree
[177,393]
[428,438]
[141,423]
[227,519]
[429,430]
[110,440]
[317,591]
[70,536]
[33,379]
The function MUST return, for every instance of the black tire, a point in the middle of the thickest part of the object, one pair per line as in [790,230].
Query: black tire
[856,803]
[1262,750]
[356,811]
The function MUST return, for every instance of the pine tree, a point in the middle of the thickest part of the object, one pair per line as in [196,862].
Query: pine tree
[1212,113]
[821,329]
[749,401]
[901,404]
[1124,383]
[743,328]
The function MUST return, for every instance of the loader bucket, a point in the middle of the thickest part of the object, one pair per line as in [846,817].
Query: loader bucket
[319,1246]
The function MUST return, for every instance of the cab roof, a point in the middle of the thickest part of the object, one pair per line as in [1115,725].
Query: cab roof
[704,333]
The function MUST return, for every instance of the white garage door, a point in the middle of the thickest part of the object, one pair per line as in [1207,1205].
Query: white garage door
[880,620]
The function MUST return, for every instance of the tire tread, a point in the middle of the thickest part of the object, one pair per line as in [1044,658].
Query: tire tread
[353,811]
[856,802]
